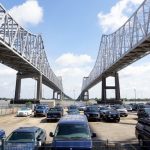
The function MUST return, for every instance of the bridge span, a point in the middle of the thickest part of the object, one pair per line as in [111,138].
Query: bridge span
[128,44]
[25,52]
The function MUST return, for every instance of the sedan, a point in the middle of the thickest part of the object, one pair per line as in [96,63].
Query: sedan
[25,111]
[26,138]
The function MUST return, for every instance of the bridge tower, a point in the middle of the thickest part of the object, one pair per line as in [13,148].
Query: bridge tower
[116,87]
[84,95]
[20,76]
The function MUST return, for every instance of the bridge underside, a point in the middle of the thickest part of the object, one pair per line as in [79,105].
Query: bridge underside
[25,69]
[137,52]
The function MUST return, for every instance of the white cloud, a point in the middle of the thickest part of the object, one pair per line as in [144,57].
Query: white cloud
[28,13]
[118,15]
[70,59]
[72,68]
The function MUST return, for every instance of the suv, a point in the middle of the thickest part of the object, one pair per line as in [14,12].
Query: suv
[54,113]
[72,132]
[25,138]
[41,110]
[92,112]
[142,132]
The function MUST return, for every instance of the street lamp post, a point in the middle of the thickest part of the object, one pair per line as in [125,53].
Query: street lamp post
[135,94]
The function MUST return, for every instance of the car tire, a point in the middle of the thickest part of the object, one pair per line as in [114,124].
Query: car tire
[141,142]
[117,120]
[125,115]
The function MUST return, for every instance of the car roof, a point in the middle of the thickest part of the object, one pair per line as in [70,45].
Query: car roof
[73,119]
[27,129]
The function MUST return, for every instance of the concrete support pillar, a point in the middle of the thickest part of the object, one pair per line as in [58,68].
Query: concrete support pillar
[39,87]
[116,87]
[104,88]
[85,95]
[54,94]
[18,87]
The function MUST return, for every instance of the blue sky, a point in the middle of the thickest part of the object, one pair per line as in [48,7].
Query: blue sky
[71,30]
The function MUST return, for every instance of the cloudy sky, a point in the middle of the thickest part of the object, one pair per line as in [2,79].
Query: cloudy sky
[71,32]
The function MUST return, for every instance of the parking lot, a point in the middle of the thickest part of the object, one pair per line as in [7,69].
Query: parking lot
[122,132]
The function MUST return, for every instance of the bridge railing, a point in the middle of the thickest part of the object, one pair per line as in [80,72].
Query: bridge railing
[29,46]
[114,46]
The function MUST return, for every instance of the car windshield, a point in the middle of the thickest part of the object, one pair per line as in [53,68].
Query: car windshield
[53,109]
[103,108]
[21,137]
[40,107]
[24,108]
[72,131]
[147,110]
[92,109]
[119,107]
[73,107]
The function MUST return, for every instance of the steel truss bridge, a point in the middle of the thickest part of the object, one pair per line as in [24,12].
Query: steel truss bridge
[24,52]
[119,49]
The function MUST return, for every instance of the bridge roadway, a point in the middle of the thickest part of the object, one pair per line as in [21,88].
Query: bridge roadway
[114,132]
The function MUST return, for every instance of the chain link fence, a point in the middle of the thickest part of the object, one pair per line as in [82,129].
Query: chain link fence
[97,145]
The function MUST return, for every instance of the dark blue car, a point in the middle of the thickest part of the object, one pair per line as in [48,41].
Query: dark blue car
[72,133]
[41,110]
[25,138]
[2,134]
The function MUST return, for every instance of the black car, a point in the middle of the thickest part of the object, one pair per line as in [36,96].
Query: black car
[142,132]
[112,115]
[92,113]
[54,113]
[143,113]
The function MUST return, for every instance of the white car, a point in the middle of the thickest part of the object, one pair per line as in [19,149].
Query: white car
[25,111]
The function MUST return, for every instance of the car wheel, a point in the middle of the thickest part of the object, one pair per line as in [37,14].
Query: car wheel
[117,120]
[141,142]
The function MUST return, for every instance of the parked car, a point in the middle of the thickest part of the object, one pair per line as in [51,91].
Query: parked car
[143,113]
[2,134]
[128,107]
[102,111]
[41,110]
[82,108]
[60,109]
[24,111]
[28,138]
[112,115]
[54,114]
[121,109]
[72,132]
[92,112]
[142,132]
[73,112]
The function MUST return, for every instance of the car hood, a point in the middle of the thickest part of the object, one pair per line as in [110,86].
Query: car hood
[74,144]
[19,146]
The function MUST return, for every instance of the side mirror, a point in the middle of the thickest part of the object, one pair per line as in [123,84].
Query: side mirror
[93,135]
[39,143]
[51,134]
